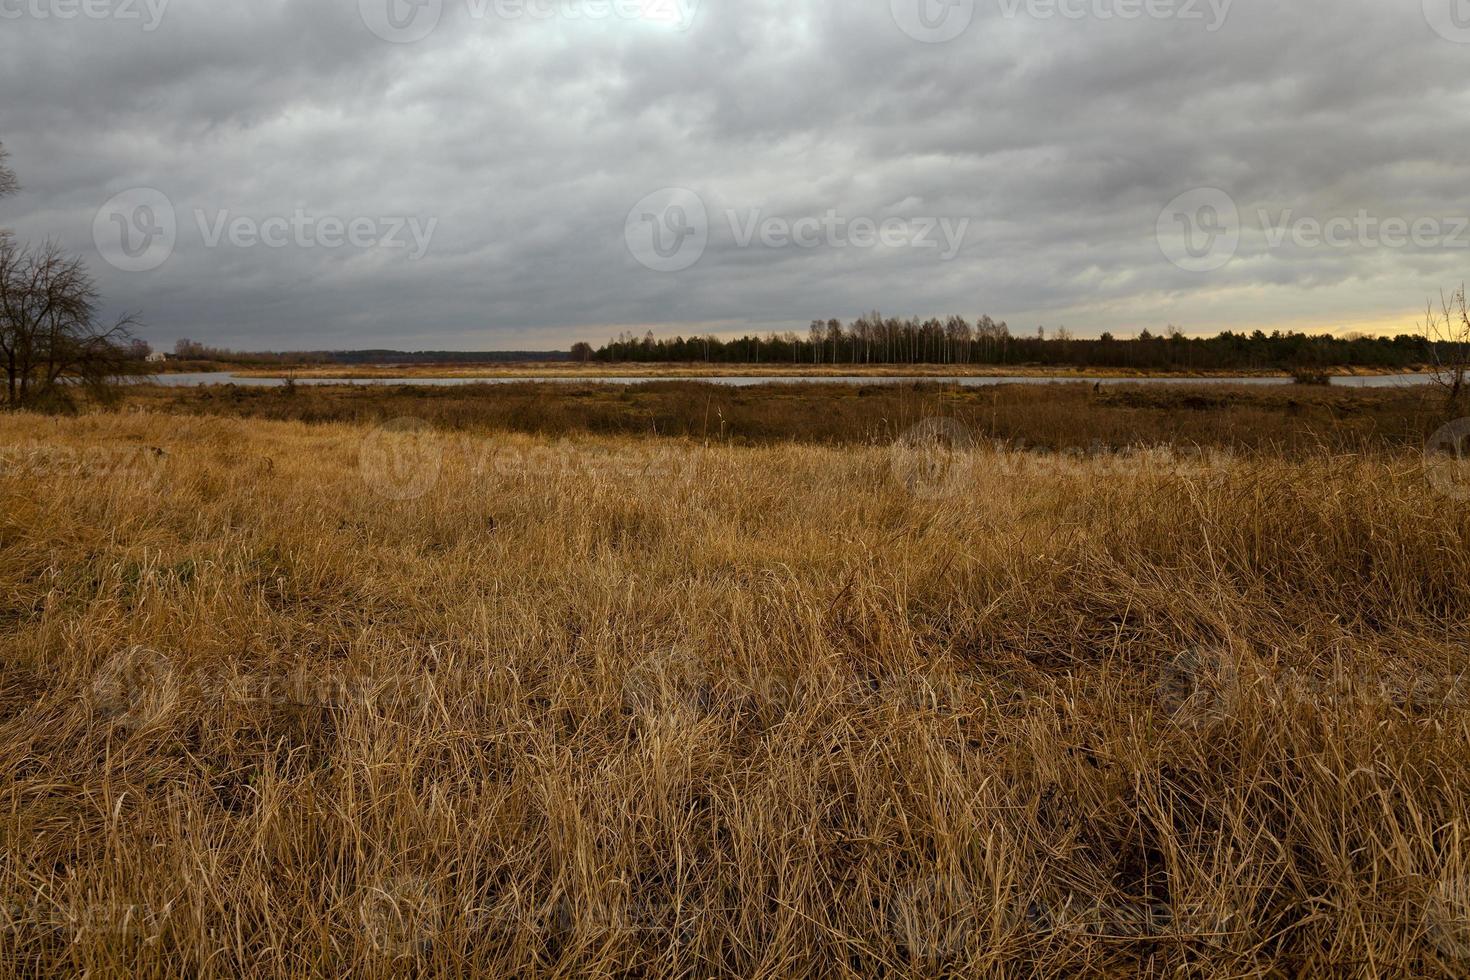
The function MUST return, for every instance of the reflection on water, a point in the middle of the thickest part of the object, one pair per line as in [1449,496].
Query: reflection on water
[226,377]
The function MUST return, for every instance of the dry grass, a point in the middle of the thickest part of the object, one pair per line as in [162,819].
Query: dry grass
[619,706]
[1057,417]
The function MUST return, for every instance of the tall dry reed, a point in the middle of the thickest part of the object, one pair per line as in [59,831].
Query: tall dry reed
[282,699]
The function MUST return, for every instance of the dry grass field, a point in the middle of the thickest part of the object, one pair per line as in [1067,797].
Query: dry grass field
[285,692]
[1051,417]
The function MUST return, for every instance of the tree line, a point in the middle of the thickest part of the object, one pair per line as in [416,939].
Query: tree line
[191,350]
[875,339]
[52,342]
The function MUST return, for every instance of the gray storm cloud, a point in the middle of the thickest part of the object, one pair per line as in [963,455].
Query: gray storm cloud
[472,173]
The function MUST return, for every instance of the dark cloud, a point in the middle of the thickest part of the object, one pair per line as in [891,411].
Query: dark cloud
[1060,139]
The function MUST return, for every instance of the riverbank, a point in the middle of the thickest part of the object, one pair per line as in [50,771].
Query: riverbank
[1059,416]
[534,371]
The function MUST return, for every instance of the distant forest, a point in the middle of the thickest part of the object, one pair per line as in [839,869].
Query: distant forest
[188,350]
[874,339]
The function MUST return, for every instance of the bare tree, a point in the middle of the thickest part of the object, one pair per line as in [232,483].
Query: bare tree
[50,338]
[1448,333]
[8,184]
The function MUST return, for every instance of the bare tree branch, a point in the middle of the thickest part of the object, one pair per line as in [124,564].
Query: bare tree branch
[50,339]
[1448,333]
[8,183]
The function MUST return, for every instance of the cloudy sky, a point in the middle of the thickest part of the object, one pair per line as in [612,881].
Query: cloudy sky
[483,174]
